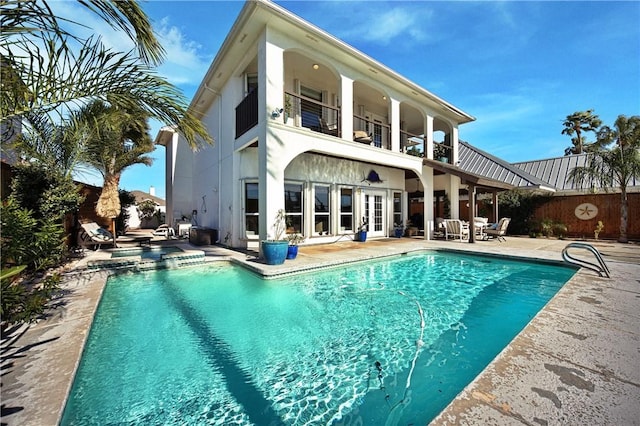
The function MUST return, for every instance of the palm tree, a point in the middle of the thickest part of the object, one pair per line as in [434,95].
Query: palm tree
[579,122]
[614,167]
[114,138]
[42,73]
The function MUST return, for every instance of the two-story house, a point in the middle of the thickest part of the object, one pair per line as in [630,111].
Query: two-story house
[304,122]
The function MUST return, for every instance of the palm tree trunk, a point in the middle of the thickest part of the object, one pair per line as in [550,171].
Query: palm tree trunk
[108,205]
[624,207]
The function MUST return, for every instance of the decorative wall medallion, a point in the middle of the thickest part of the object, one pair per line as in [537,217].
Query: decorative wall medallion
[586,211]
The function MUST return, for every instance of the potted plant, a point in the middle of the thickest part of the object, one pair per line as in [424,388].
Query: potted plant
[398,229]
[287,108]
[274,250]
[440,152]
[362,230]
[294,239]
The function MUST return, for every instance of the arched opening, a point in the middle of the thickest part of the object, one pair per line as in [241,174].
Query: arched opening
[412,140]
[311,90]
[442,141]
[371,114]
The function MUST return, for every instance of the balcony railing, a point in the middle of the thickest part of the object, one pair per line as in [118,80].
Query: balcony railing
[302,111]
[312,114]
[247,113]
[379,132]
[412,144]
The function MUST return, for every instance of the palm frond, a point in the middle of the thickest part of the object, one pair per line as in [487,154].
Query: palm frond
[129,17]
[54,77]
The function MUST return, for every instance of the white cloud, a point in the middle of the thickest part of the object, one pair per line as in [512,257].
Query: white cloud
[385,23]
[185,62]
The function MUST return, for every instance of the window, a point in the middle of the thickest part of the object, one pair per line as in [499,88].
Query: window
[397,207]
[251,217]
[293,206]
[321,212]
[346,209]
[251,82]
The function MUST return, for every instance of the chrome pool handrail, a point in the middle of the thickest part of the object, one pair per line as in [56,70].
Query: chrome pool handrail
[601,269]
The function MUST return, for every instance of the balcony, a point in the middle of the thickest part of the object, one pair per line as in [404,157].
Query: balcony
[247,113]
[305,112]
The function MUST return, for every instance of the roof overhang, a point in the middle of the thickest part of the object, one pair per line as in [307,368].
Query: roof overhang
[466,177]
[165,135]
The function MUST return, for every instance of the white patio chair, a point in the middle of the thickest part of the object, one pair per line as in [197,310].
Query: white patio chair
[455,228]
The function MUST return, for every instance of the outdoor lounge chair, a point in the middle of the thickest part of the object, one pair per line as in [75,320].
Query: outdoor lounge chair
[501,229]
[361,136]
[93,236]
[328,129]
[454,228]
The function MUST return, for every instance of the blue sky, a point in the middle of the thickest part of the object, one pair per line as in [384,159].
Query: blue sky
[519,67]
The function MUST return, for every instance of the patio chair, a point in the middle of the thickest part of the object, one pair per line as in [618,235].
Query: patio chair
[93,236]
[501,229]
[455,228]
[361,136]
[328,129]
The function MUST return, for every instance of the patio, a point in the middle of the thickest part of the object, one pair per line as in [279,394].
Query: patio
[577,362]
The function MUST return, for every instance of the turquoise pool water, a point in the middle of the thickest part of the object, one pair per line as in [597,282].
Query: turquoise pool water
[386,342]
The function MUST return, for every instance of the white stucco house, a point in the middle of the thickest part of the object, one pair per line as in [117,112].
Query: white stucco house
[306,123]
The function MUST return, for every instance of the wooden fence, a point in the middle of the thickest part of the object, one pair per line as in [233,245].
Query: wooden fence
[562,209]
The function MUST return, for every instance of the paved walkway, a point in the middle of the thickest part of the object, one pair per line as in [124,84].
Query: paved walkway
[576,363]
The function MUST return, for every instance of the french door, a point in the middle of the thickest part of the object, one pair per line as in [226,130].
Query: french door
[375,212]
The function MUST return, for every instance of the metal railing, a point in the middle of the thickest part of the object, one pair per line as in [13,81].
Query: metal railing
[601,268]
[312,114]
[247,113]
[412,144]
[380,133]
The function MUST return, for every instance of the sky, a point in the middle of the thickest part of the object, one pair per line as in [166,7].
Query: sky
[518,67]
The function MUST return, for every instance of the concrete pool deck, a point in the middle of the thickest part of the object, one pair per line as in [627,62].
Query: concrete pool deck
[576,362]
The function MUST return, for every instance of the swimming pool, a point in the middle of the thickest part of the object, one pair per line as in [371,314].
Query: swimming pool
[385,342]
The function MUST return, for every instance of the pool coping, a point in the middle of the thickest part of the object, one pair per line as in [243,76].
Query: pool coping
[52,348]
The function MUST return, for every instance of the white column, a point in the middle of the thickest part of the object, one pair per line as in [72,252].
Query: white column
[454,142]
[429,134]
[346,105]
[270,96]
[454,196]
[395,125]
[427,181]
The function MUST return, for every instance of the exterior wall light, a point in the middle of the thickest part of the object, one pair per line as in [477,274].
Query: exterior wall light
[316,66]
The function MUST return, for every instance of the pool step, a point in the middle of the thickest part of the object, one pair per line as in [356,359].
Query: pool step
[136,263]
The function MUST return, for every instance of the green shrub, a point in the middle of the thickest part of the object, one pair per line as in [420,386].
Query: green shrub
[122,222]
[38,244]
[548,228]
[22,302]
[520,206]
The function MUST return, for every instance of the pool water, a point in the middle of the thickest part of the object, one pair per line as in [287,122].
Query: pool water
[149,253]
[386,342]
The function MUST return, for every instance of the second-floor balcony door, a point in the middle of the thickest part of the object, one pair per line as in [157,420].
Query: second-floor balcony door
[375,212]
[377,130]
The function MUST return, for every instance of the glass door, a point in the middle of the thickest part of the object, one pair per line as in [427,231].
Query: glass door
[375,212]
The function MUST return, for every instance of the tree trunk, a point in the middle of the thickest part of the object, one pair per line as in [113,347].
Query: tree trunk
[624,207]
[108,205]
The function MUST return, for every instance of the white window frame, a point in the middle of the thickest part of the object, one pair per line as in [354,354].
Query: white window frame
[326,214]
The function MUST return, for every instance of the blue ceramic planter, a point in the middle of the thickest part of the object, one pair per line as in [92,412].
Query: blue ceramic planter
[292,252]
[362,236]
[274,252]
